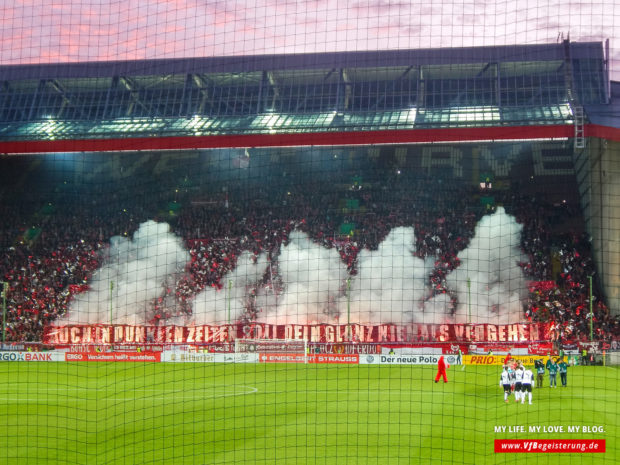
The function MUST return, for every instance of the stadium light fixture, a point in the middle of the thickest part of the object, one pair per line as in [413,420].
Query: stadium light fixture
[481,113]
[412,113]
[267,120]
[49,127]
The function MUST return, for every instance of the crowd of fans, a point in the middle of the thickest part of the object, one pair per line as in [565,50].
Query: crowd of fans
[51,246]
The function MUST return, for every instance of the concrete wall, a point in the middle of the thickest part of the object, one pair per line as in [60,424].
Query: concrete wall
[598,174]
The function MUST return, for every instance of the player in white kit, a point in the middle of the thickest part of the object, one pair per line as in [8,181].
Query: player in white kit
[518,382]
[505,381]
[526,385]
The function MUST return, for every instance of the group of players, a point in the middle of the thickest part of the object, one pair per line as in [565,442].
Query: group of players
[515,377]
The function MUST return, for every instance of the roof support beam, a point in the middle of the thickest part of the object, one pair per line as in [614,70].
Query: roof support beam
[6,89]
[35,99]
[393,86]
[310,95]
[204,95]
[134,93]
[348,90]
[457,100]
[274,85]
[339,91]
[66,101]
[108,97]
[186,97]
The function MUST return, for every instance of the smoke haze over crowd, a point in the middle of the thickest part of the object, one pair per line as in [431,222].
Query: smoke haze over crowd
[309,283]
[135,271]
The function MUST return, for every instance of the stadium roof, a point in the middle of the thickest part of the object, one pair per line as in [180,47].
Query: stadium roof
[208,101]
[607,114]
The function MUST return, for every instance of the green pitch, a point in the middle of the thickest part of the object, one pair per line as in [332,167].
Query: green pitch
[121,413]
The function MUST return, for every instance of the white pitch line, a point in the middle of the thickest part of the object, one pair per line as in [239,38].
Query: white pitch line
[251,390]
[86,389]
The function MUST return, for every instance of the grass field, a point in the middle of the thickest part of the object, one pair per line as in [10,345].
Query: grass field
[126,413]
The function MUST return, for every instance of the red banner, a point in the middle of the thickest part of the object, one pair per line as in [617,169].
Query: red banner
[386,333]
[113,356]
[549,446]
[540,348]
[350,359]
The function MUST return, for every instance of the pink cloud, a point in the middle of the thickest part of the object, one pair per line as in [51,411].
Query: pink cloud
[135,29]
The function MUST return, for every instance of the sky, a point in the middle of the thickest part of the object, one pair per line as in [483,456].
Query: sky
[48,31]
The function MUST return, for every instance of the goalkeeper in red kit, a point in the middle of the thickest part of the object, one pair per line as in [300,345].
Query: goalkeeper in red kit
[441,370]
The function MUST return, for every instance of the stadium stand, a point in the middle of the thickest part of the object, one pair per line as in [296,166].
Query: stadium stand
[51,250]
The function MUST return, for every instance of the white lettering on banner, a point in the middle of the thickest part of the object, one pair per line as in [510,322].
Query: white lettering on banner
[443,333]
[75,335]
[129,334]
[371,359]
[330,334]
[87,336]
[119,333]
[104,335]
[178,334]
[383,333]
[186,357]
[513,332]
[424,335]
[140,334]
[309,358]
[323,333]
[111,357]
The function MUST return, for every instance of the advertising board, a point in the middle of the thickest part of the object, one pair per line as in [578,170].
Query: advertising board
[350,359]
[414,359]
[18,356]
[112,357]
[499,359]
[197,357]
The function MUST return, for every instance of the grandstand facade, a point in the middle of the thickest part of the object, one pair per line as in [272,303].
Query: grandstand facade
[275,99]
[531,120]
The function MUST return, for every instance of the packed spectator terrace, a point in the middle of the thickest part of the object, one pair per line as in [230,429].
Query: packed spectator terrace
[57,222]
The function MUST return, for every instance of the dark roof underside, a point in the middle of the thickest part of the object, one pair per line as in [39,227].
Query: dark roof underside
[288,94]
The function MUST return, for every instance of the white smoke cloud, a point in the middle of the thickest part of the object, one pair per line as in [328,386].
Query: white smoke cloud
[313,278]
[220,306]
[134,273]
[490,266]
[391,282]
[436,310]
[311,282]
